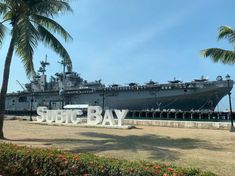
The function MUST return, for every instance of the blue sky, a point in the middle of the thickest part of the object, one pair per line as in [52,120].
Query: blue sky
[122,41]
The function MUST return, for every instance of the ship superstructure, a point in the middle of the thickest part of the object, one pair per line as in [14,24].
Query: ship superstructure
[69,88]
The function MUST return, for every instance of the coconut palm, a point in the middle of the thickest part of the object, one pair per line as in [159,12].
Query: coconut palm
[30,22]
[222,55]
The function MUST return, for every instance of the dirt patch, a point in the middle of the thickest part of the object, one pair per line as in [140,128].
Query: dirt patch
[212,150]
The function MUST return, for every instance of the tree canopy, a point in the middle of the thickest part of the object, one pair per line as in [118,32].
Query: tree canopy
[32,22]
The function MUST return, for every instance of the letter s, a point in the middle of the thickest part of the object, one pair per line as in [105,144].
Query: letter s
[42,113]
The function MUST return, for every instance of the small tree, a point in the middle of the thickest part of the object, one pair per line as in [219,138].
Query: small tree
[31,21]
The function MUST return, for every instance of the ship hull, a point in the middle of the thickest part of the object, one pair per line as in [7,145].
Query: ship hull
[181,97]
[192,99]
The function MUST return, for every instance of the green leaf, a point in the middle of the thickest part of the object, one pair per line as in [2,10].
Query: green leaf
[51,25]
[219,55]
[50,40]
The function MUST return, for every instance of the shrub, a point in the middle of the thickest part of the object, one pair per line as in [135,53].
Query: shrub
[24,161]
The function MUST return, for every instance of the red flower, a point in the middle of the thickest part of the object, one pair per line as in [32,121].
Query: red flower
[75,158]
[157,167]
[165,174]
[169,169]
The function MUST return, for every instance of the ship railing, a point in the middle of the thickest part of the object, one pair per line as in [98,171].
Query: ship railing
[158,86]
[171,114]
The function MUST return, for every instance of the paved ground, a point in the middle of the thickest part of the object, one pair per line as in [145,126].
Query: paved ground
[212,150]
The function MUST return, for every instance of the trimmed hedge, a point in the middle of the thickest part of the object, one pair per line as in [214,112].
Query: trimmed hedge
[24,161]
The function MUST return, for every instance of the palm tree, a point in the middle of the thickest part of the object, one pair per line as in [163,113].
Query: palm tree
[221,55]
[30,22]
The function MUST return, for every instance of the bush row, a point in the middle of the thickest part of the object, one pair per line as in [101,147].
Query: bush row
[24,161]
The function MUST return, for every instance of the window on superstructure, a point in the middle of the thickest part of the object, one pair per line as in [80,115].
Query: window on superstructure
[23,99]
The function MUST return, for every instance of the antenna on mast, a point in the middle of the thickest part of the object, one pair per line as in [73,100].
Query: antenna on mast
[42,69]
[63,64]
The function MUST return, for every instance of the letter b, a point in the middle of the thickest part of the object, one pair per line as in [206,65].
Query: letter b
[94,116]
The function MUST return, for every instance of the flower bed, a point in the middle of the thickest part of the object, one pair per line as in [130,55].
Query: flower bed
[24,161]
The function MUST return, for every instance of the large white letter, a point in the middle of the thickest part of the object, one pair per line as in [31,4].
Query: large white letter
[94,115]
[121,114]
[74,116]
[61,116]
[51,116]
[42,113]
[108,118]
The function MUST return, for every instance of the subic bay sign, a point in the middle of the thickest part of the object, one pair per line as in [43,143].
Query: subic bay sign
[94,116]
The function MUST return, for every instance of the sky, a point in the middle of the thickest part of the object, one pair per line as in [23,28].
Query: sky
[123,41]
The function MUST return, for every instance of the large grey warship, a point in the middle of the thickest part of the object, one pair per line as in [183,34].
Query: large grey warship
[69,88]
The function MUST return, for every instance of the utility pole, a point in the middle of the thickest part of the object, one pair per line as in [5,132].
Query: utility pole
[232,129]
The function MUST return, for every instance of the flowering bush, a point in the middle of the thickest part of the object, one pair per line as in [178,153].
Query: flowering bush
[17,160]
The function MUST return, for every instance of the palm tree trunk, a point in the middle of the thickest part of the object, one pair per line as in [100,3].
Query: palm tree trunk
[5,83]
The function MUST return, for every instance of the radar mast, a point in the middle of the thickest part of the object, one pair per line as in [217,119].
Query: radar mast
[62,62]
[42,69]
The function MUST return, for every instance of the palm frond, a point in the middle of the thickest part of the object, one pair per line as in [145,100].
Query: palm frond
[33,21]
[51,7]
[5,11]
[52,25]
[3,8]
[49,39]
[26,42]
[2,32]
[219,55]
[227,33]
